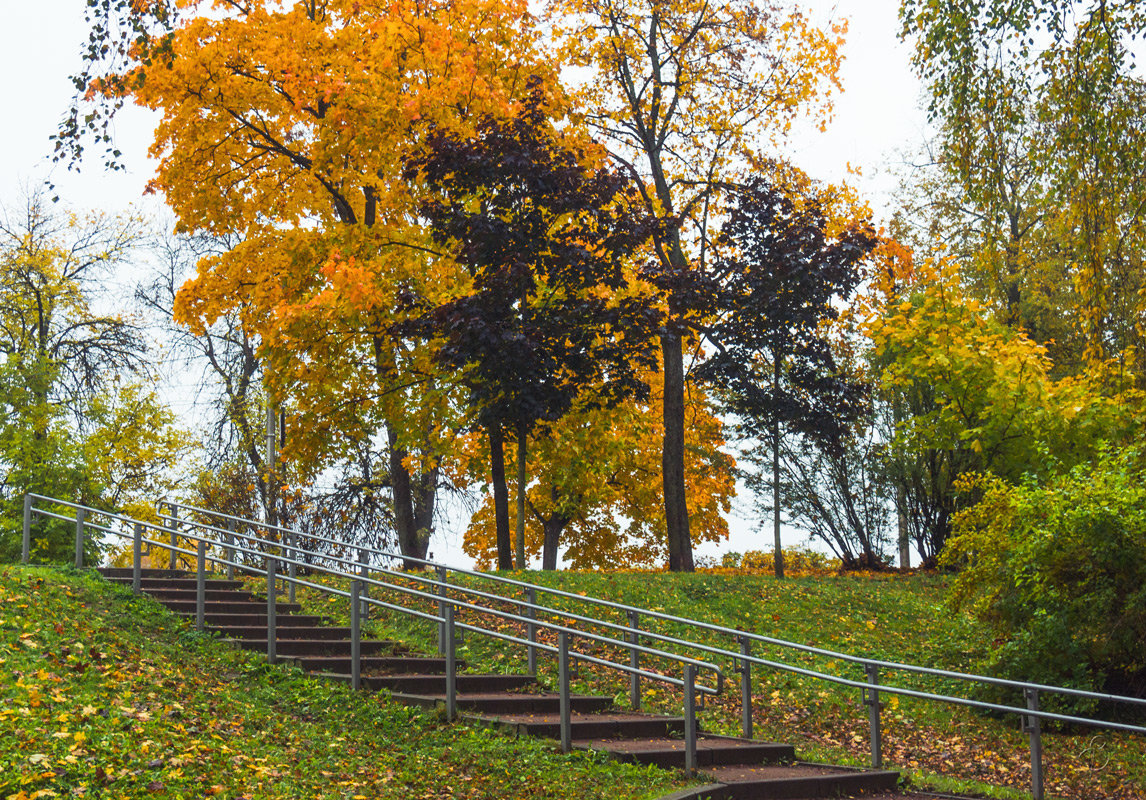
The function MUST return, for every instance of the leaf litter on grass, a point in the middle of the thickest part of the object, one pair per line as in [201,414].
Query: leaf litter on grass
[107,694]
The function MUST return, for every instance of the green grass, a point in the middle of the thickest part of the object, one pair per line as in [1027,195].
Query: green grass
[105,694]
[890,617]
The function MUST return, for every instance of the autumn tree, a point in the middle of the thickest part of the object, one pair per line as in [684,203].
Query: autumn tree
[594,498]
[77,421]
[783,268]
[286,125]
[552,318]
[684,94]
[1036,167]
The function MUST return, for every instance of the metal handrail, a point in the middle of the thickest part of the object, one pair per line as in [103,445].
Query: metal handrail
[447,605]
[1031,716]
[688,622]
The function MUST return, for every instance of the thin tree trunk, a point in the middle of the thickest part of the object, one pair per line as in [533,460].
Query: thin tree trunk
[500,497]
[672,457]
[901,523]
[402,498]
[778,552]
[522,456]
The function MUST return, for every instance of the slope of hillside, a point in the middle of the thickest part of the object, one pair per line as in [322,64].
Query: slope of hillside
[889,617]
[106,694]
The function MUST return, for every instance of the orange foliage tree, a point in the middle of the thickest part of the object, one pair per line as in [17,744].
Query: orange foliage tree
[288,123]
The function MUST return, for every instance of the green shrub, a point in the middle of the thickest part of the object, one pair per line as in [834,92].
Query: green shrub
[1058,568]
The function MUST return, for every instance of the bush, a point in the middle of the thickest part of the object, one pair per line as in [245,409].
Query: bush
[797,561]
[1058,568]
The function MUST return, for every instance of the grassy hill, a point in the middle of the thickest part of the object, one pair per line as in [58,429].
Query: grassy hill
[106,694]
[891,617]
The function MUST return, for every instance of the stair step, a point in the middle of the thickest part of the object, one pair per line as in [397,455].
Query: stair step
[799,780]
[152,584]
[375,664]
[256,619]
[148,572]
[710,750]
[211,594]
[512,703]
[436,684]
[230,606]
[289,631]
[589,726]
[291,646]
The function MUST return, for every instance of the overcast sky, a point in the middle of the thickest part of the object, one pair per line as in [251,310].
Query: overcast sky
[877,118]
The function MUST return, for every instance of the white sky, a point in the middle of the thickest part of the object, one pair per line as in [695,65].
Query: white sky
[877,117]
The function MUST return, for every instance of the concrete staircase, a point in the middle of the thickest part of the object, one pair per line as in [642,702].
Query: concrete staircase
[739,769]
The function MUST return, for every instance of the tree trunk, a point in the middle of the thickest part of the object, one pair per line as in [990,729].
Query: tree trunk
[500,497]
[672,457]
[413,500]
[901,524]
[778,552]
[553,528]
[522,456]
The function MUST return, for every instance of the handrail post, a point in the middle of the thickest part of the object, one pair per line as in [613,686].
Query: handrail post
[634,637]
[292,568]
[451,665]
[563,687]
[272,632]
[26,549]
[1032,725]
[871,699]
[690,719]
[355,635]
[200,584]
[531,628]
[79,538]
[229,551]
[440,590]
[174,535]
[137,558]
[363,570]
[745,687]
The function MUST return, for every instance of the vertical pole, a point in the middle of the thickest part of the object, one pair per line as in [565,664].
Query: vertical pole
[272,656]
[272,505]
[363,570]
[531,629]
[1033,727]
[355,635]
[200,584]
[174,535]
[563,686]
[634,637]
[440,590]
[26,550]
[690,719]
[451,666]
[137,558]
[872,701]
[79,538]
[292,568]
[229,551]
[745,688]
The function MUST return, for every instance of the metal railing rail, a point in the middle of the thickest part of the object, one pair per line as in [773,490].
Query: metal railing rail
[448,606]
[438,590]
[686,621]
[689,622]
[1030,716]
